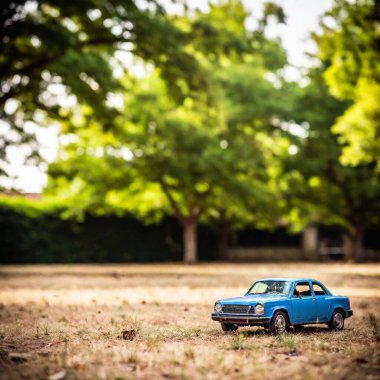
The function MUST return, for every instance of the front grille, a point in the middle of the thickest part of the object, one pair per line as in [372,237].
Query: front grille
[235,308]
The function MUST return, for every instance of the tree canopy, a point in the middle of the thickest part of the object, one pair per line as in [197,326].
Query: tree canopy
[202,157]
[320,188]
[350,42]
[56,54]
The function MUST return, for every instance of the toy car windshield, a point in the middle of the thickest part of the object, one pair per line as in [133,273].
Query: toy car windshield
[270,287]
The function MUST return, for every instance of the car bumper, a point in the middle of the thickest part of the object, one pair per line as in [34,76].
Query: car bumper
[350,313]
[240,319]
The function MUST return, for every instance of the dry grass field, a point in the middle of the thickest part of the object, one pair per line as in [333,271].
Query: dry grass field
[66,322]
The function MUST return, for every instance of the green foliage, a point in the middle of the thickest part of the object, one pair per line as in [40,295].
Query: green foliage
[273,9]
[319,187]
[305,182]
[51,51]
[197,158]
[359,127]
[351,46]
[34,232]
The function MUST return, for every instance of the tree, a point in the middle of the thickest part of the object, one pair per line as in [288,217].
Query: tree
[350,43]
[320,188]
[177,153]
[203,154]
[55,53]
[241,62]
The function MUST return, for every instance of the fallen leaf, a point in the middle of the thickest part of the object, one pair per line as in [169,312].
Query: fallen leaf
[128,334]
[361,360]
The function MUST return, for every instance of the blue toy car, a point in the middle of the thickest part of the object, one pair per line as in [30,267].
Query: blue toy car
[279,303]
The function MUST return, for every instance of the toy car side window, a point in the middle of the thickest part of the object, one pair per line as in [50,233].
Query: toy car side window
[318,290]
[302,289]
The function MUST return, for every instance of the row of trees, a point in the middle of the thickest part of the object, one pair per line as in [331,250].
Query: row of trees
[213,131]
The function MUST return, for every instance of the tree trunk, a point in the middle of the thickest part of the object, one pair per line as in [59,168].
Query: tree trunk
[353,243]
[310,243]
[224,234]
[357,243]
[190,240]
[348,246]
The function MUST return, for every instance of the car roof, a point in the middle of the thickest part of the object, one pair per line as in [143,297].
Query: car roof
[287,279]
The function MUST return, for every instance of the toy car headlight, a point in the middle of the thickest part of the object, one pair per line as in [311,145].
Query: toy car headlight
[218,307]
[259,309]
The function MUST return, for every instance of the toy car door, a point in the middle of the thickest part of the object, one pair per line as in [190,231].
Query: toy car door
[323,303]
[304,303]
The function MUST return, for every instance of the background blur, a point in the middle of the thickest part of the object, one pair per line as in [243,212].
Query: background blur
[136,131]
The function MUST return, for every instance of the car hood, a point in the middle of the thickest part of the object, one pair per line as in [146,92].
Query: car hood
[252,299]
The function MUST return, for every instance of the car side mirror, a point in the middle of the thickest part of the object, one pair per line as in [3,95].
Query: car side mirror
[297,295]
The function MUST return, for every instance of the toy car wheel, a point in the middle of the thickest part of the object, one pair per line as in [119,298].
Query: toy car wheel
[279,323]
[228,327]
[337,321]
